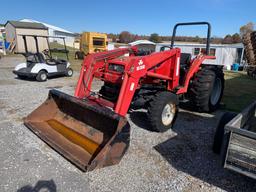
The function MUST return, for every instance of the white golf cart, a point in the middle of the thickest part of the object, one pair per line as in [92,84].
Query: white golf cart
[41,65]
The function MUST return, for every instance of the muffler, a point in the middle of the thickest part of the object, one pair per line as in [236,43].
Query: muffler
[86,133]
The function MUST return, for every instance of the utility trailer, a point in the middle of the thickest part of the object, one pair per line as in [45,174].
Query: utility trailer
[238,144]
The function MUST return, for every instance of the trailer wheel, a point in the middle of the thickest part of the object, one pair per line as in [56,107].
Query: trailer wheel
[219,133]
[207,89]
[69,72]
[162,111]
[41,76]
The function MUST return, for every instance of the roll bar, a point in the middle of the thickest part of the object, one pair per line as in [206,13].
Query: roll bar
[194,23]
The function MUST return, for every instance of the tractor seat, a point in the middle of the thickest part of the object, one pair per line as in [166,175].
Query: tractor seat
[185,59]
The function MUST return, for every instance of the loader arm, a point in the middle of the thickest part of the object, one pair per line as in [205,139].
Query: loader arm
[161,65]
[92,63]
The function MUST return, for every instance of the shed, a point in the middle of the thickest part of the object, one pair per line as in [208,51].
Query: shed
[14,30]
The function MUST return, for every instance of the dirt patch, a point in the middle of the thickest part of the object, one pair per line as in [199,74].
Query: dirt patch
[7,82]
[54,87]
[2,104]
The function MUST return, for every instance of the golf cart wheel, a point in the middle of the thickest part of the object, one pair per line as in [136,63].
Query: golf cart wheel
[220,131]
[41,76]
[69,72]
[162,111]
[207,88]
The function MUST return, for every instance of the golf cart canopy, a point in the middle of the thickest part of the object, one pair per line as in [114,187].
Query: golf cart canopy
[54,50]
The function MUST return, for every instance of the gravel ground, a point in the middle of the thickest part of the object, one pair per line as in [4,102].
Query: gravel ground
[178,160]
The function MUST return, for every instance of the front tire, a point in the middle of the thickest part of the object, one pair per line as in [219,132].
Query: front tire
[206,89]
[69,72]
[162,111]
[41,76]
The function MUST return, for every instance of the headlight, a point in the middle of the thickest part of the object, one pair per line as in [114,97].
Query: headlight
[115,67]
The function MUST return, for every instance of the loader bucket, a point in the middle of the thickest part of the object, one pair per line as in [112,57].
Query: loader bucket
[89,135]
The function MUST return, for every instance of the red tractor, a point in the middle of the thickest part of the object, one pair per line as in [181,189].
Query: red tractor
[91,130]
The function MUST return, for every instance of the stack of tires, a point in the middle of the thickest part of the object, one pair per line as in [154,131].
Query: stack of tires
[249,41]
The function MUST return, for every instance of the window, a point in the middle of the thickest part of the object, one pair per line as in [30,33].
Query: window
[196,51]
[203,51]
[98,41]
[212,52]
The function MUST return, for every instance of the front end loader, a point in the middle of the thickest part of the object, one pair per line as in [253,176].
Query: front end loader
[90,128]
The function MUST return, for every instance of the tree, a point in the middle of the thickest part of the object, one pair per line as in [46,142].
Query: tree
[155,38]
[126,37]
[227,39]
[112,36]
[136,37]
[236,38]
[246,28]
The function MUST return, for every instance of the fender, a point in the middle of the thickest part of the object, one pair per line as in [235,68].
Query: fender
[42,66]
[20,66]
[195,66]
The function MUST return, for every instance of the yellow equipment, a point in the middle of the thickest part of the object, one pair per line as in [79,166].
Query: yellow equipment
[91,42]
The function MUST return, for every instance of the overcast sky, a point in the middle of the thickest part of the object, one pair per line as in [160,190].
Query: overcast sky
[136,16]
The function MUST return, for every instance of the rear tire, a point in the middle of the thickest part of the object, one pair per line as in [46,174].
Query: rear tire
[162,111]
[207,89]
[69,72]
[219,133]
[41,76]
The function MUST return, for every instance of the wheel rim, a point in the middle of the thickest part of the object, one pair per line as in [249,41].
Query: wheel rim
[70,72]
[43,76]
[168,114]
[216,91]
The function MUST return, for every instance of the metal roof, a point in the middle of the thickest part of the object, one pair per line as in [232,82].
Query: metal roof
[184,44]
[141,42]
[48,25]
[26,25]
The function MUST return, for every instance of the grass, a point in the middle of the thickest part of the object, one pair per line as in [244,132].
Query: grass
[240,91]
[75,64]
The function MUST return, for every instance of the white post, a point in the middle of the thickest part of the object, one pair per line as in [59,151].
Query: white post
[4,51]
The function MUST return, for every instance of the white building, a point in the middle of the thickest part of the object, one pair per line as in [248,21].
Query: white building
[226,54]
[57,32]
